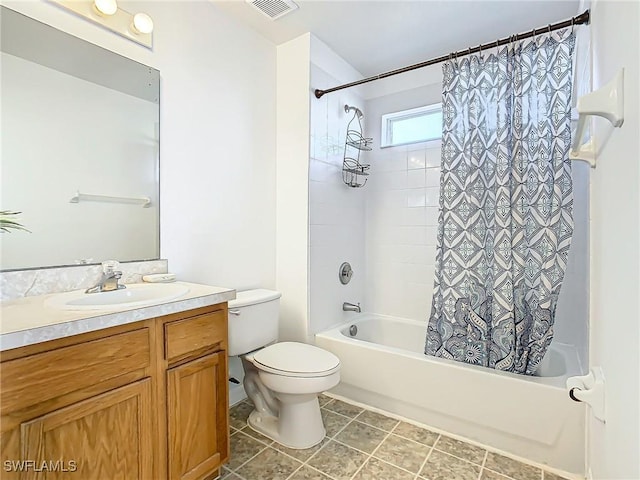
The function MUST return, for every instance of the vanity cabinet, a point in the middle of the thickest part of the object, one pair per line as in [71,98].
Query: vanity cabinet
[146,400]
[107,436]
[197,436]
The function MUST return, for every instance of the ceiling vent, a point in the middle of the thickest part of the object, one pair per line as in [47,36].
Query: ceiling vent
[273,9]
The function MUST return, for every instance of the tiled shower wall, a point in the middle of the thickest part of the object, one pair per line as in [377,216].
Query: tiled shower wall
[401,221]
[336,211]
[401,213]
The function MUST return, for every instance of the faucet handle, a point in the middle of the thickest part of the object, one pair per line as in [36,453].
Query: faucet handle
[110,266]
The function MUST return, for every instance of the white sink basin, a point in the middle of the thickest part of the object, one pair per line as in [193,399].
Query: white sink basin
[134,296]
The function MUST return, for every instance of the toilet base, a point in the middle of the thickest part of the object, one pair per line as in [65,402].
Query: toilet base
[298,426]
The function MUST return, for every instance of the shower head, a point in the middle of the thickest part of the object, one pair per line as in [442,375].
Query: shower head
[347,108]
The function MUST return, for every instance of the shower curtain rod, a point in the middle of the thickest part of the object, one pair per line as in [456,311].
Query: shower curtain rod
[583,18]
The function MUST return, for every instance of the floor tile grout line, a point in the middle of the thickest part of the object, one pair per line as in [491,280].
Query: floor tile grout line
[424,462]
[369,455]
[329,439]
[318,470]
[247,461]
[304,462]
[373,426]
[372,454]
[336,413]
[257,439]
[356,448]
[459,458]
[263,450]
[295,471]
[392,432]
[238,475]
[499,473]
[484,461]
[342,414]
[416,441]
[341,429]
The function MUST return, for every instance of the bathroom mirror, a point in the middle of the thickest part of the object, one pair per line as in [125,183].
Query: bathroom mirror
[80,149]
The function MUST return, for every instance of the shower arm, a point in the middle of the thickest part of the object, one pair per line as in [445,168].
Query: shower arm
[359,113]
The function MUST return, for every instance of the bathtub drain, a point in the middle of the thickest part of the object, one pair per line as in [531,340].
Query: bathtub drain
[353,330]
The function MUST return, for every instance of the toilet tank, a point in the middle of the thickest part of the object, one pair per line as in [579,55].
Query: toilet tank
[253,320]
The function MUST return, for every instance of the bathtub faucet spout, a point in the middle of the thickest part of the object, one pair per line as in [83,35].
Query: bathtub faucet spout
[351,307]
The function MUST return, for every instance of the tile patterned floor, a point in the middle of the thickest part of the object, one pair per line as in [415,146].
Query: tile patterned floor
[365,445]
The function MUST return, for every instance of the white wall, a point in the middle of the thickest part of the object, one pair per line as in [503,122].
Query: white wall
[293,187]
[42,171]
[217,148]
[615,224]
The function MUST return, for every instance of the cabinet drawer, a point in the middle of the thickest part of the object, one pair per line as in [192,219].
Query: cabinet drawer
[194,334]
[40,377]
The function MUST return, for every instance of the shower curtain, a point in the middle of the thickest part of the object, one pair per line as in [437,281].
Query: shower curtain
[505,220]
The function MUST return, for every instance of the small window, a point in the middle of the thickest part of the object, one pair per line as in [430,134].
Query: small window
[412,126]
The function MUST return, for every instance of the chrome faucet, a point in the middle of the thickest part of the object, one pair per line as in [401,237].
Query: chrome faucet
[351,307]
[109,280]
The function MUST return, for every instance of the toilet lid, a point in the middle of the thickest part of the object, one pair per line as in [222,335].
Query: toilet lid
[296,358]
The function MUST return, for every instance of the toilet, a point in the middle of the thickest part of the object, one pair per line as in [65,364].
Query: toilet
[282,379]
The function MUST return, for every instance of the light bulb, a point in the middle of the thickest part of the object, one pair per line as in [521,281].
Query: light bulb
[106,7]
[142,23]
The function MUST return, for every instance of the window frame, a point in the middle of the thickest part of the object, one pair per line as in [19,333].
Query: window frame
[388,118]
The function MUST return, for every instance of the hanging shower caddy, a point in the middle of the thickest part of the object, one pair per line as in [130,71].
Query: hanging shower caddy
[354,173]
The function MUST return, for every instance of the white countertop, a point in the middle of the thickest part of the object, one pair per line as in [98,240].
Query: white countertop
[30,320]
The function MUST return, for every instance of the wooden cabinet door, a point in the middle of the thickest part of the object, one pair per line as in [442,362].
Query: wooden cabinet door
[106,436]
[197,402]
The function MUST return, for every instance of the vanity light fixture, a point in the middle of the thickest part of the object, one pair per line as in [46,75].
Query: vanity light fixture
[142,23]
[105,7]
[107,13]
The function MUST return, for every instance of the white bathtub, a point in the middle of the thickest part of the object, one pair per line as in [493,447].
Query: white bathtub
[532,417]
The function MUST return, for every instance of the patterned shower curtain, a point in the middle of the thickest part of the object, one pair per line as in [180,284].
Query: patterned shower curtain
[505,220]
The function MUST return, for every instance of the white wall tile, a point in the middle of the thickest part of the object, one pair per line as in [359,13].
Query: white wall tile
[433,157]
[416,178]
[416,159]
[397,179]
[433,177]
[433,196]
[416,198]
[413,216]
[431,216]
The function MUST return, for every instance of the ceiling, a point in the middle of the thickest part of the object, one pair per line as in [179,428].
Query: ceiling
[378,36]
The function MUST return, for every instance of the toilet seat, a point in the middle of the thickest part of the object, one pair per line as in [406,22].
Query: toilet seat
[294,359]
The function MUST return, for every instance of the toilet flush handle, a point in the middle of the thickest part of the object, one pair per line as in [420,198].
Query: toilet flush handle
[234,312]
